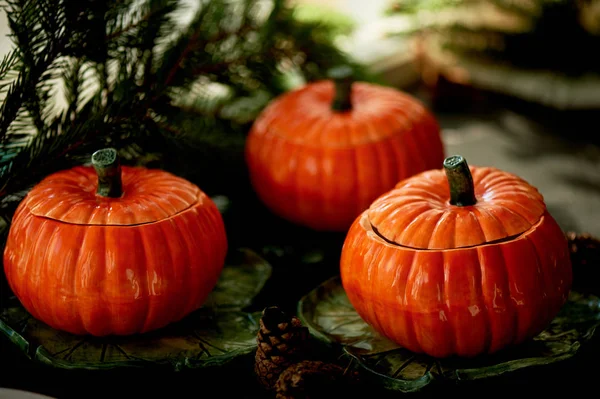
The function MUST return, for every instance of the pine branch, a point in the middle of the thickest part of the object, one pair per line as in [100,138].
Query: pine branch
[72,76]
[28,24]
[121,21]
[171,71]
[131,75]
[8,69]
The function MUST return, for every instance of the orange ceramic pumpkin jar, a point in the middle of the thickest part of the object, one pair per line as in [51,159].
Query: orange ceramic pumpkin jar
[457,261]
[319,155]
[114,250]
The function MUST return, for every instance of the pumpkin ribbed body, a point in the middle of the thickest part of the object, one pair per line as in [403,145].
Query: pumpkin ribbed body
[447,280]
[86,264]
[320,168]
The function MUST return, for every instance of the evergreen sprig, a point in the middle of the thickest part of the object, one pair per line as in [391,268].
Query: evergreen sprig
[131,74]
[120,64]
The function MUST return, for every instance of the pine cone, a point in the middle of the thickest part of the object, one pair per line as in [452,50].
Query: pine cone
[315,379]
[585,258]
[282,341]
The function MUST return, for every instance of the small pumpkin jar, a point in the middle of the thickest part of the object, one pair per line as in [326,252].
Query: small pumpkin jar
[319,155]
[114,250]
[457,261]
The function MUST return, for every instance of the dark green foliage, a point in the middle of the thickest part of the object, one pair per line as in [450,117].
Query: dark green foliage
[168,94]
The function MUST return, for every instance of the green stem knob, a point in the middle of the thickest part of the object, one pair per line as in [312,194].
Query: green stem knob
[462,190]
[108,167]
[343,78]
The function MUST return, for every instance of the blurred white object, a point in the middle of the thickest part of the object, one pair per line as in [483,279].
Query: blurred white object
[391,57]
[6,393]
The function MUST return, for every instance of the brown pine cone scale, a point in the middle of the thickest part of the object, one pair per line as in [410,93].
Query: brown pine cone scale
[281,341]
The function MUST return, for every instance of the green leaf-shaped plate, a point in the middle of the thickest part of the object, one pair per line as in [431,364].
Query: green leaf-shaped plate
[213,335]
[327,312]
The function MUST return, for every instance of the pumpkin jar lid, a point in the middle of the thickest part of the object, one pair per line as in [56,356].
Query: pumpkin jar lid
[111,194]
[340,112]
[456,207]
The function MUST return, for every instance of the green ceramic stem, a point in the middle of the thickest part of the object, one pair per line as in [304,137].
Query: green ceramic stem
[462,190]
[108,167]
[342,77]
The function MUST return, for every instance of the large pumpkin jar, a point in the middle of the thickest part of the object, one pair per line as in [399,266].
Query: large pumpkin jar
[319,155]
[114,250]
[457,261]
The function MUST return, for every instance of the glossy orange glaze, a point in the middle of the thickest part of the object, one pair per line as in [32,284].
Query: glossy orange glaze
[321,168]
[102,279]
[149,195]
[417,212]
[462,301]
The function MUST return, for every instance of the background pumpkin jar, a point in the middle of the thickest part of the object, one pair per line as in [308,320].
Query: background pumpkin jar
[319,155]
